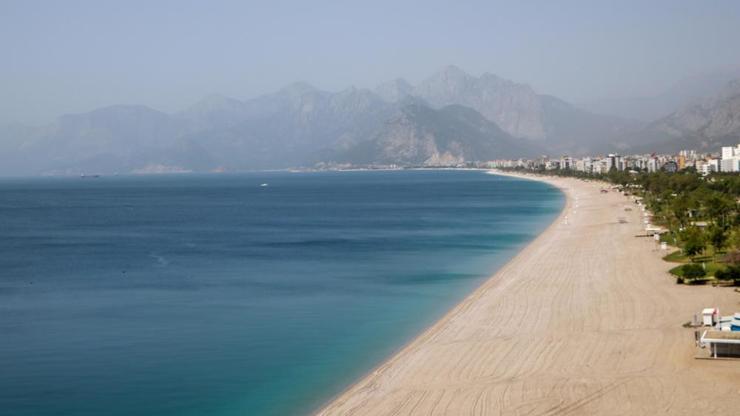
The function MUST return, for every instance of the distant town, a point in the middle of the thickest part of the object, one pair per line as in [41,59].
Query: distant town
[727,160]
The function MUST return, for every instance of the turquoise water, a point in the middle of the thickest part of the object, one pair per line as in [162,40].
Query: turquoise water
[195,295]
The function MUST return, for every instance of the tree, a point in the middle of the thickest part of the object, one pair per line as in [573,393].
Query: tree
[732,257]
[680,209]
[619,177]
[694,241]
[734,238]
[718,207]
[718,237]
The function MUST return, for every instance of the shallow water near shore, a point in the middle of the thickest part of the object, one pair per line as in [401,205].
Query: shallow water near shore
[212,294]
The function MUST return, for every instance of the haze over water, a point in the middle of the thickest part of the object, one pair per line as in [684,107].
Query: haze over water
[191,295]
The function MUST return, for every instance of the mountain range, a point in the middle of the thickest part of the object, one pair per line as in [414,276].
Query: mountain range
[685,92]
[705,125]
[446,119]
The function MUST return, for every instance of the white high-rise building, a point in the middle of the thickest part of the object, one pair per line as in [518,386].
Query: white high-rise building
[728,152]
[730,159]
[652,165]
[706,167]
[714,163]
[730,165]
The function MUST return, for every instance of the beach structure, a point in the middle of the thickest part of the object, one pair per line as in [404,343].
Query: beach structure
[653,229]
[729,323]
[723,339]
[709,316]
[722,343]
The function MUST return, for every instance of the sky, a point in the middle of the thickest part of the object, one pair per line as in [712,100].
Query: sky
[73,56]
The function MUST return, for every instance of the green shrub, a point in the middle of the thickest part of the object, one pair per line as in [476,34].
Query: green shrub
[692,271]
[732,272]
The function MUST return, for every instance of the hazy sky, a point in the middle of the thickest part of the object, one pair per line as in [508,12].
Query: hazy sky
[72,56]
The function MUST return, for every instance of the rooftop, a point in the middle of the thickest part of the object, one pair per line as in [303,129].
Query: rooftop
[725,337]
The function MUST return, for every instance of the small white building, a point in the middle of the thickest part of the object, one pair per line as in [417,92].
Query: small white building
[709,316]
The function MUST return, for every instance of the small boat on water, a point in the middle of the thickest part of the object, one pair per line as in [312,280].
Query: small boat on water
[263,185]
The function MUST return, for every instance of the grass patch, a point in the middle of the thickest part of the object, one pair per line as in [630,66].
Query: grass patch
[684,274]
[710,268]
[677,257]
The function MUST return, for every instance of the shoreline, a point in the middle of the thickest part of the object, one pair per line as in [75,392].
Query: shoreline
[375,370]
[481,352]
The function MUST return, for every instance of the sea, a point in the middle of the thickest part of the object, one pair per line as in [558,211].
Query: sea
[237,294]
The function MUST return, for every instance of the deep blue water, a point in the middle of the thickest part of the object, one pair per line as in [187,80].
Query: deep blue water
[211,295]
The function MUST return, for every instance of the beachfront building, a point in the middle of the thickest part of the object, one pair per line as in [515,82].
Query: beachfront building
[704,167]
[714,163]
[614,161]
[730,159]
[704,163]
[552,165]
[566,163]
[722,343]
[688,155]
[723,339]
[731,165]
[652,165]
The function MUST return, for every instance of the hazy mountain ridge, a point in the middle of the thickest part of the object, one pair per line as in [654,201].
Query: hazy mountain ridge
[445,119]
[521,112]
[703,126]
[298,125]
[394,91]
[421,135]
[514,107]
[685,92]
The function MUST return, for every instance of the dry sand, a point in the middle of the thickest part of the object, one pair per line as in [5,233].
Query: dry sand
[584,320]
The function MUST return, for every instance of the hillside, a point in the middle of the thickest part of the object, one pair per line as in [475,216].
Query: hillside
[703,126]
[420,135]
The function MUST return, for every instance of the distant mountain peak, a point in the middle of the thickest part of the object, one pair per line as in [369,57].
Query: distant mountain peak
[214,102]
[119,112]
[453,71]
[490,76]
[514,107]
[125,108]
[298,88]
[217,98]
[401,82]
[395,90]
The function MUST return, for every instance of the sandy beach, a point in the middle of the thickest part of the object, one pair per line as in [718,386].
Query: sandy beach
[584,320]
